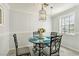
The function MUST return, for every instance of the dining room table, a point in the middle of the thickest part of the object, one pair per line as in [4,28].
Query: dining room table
[41,42]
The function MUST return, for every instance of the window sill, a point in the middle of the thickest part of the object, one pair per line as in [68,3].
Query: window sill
[69,33]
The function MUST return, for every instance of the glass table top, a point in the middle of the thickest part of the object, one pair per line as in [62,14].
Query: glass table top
[40,40]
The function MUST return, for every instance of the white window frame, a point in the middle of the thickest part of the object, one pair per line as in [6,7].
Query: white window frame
[2,16]
[73,13]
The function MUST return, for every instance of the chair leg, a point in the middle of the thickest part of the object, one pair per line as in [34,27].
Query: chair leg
[29,54]
[58,54]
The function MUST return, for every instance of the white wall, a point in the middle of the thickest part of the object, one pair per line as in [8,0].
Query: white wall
[23,23]
[70,41]
[4,30]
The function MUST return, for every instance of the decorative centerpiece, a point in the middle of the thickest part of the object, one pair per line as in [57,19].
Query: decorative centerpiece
[41,31]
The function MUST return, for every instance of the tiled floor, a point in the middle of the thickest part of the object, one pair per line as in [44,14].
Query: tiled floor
[63,52]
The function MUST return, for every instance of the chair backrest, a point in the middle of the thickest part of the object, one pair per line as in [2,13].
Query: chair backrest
[55,44]
[35,34]
[53,34]
[16,43]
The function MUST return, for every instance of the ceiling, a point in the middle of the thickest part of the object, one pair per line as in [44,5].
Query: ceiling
[35,7]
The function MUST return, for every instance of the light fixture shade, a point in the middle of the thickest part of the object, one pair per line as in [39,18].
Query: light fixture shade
[42,14]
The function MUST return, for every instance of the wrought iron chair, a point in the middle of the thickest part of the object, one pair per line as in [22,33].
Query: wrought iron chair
[55,45]
[35,46]
[53,34]
[35,34]
[21,51]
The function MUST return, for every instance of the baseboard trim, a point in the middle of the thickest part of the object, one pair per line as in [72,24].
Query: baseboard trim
[75,50]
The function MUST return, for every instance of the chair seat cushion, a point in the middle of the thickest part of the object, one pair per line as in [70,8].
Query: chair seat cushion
[47,51]
[24,50]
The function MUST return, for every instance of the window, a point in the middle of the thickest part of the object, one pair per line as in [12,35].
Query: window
[67,23]
[1,16]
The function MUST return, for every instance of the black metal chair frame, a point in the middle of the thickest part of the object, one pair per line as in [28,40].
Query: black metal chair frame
[55,40]
[16,46]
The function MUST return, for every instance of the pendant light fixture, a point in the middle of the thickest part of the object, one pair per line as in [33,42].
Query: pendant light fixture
[42,12]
